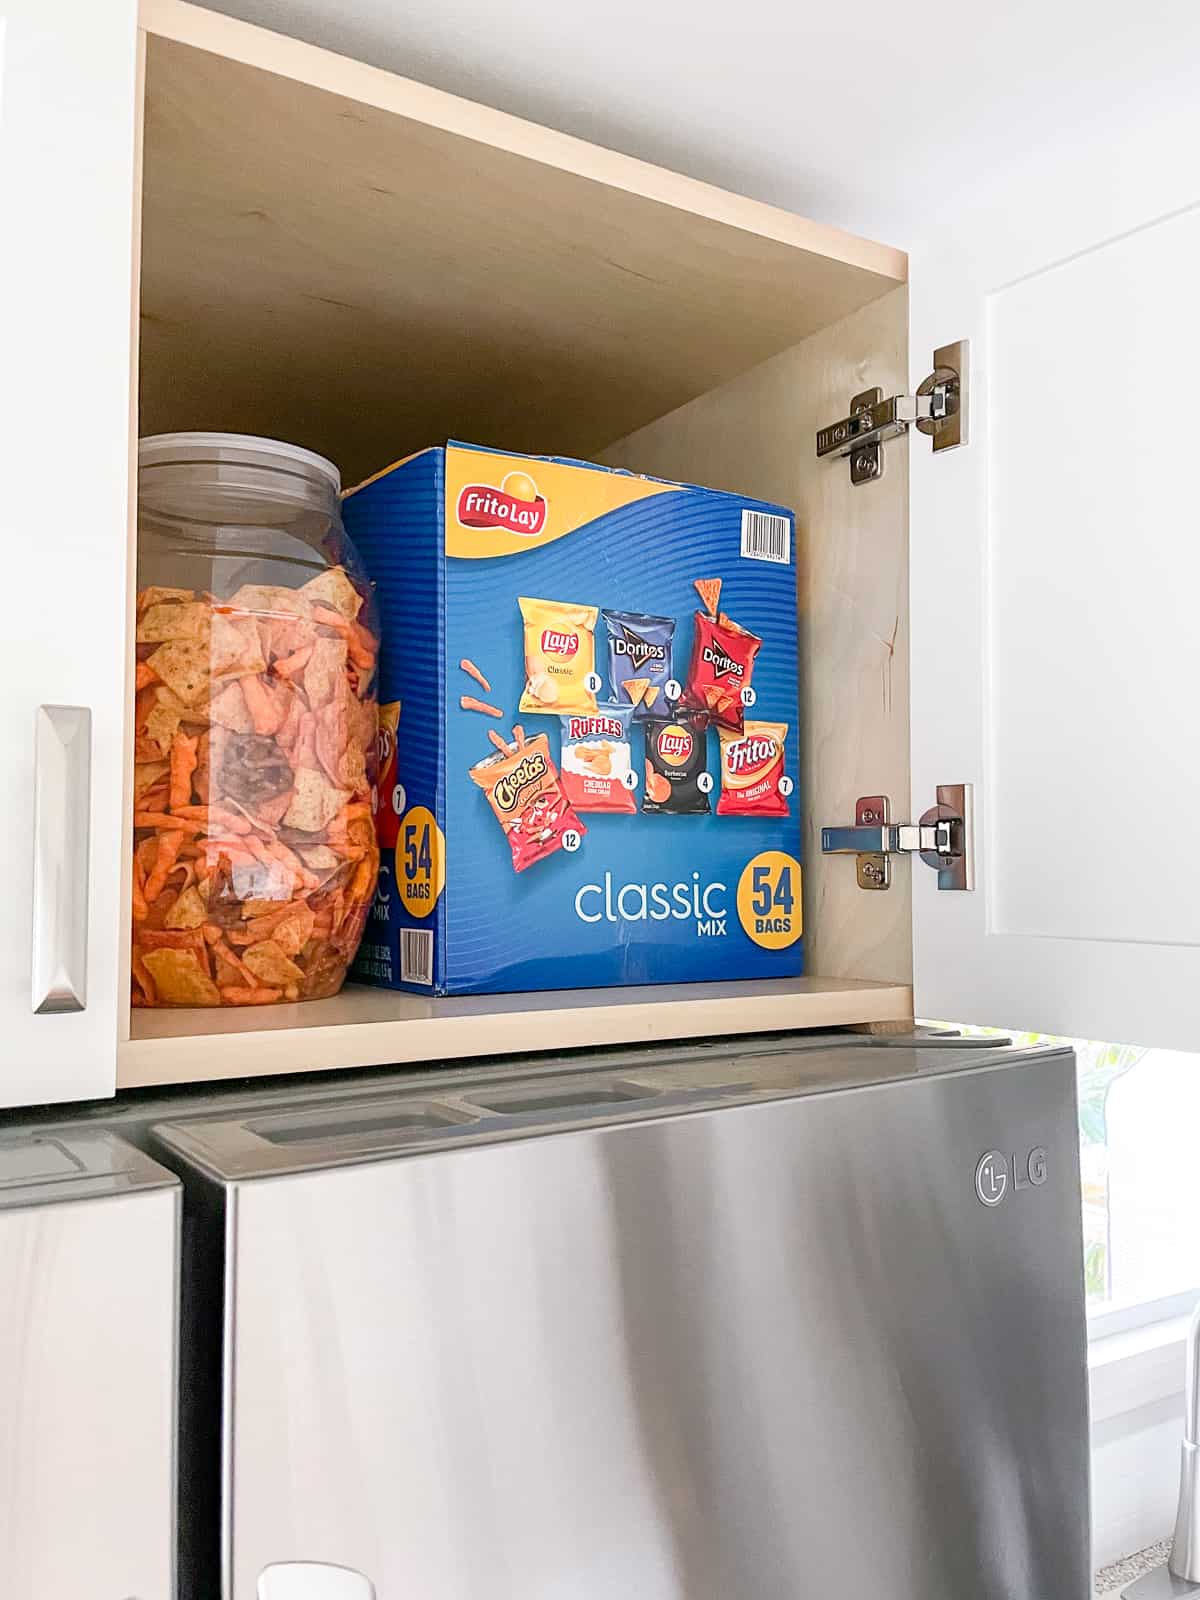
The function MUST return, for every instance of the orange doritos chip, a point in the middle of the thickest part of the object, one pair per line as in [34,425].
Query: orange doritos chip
[270,965]
[709,590]
[651,695]
[636,689]
[180,979]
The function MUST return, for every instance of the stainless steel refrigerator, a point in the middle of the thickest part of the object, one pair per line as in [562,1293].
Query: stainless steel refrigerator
[779,1319]
[89,1258]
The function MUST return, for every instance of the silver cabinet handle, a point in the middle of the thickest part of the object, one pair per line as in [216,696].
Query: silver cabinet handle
[62,809]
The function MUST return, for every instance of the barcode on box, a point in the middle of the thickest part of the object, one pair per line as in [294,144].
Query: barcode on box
[416,955]
[766,537]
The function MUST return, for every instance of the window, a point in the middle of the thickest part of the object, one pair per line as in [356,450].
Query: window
[1138,1114]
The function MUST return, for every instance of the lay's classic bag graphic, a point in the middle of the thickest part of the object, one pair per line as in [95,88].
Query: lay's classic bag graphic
[591,782]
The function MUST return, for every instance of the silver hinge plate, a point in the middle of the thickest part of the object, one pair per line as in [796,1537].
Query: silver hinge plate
[944,838]
[939,409]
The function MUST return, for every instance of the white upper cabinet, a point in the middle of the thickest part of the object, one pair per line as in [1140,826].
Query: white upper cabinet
[1055,565]
[362,264]
[68,110]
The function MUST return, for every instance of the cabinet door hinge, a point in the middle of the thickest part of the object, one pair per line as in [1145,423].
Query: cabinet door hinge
[939,408]
[944,838]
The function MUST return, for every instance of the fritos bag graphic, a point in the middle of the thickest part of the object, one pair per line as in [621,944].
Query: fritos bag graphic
[596,768]
[751,769]
[560,656]
[525,793]
[387,823]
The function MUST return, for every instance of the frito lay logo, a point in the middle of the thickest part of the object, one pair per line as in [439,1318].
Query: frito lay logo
[508,790]
[555,643]
[724,666]
[515,506]
[674,745]
[751,755]
[587,727]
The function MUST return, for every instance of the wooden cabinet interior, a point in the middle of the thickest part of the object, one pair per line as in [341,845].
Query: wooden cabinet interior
[364,266]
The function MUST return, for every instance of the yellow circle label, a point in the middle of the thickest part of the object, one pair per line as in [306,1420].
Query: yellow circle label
[768,900]
[420,861]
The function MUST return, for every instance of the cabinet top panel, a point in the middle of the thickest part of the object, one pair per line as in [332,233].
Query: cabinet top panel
[365,265]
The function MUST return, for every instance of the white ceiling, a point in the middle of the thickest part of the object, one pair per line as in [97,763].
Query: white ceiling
[867,114]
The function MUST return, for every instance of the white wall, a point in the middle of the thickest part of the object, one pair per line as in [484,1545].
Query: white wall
[1135,1479]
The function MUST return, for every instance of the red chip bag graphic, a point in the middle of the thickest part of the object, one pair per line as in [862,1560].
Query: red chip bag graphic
[752,767]
[721,668]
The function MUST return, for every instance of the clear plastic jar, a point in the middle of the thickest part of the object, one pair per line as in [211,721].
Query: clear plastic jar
[254,724]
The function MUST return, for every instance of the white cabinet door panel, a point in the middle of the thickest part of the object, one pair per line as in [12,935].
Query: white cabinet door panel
[1055,574]
[68,78]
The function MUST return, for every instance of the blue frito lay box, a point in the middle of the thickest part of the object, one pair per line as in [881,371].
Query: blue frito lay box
[588,757]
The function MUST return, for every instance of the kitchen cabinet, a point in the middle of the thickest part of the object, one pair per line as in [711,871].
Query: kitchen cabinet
[333,255]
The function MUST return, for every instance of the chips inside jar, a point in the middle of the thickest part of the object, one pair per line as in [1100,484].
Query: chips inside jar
[560,656]
[526,794]
[597,772]
[721,668]
[752,767]
[677,764]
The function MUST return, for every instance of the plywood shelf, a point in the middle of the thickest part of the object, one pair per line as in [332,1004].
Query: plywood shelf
[361,264]
[376,1027]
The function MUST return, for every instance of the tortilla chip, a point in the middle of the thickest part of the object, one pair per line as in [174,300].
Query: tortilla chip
[650,696]
[192,620]
[229,709]
[283,636]
[319,857]
[268,962]
[269,599]
[163,722]
[184,666]
[273,811]
[146,774]
[189,911]
[334,589]
[294,932]
[180,979]
[362,719]
[325,669]
[315,803]
[352,770]
[635,688]
[236,647]
[709,590]
[157,595]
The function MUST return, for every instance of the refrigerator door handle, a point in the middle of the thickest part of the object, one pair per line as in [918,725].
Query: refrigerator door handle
[62,808]
[312,1580]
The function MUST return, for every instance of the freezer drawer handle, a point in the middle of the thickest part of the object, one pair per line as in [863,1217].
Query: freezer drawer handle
[939,409]
[944,838]
[62,808]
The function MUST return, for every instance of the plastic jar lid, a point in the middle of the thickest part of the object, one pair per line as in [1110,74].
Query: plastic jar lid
[163,449]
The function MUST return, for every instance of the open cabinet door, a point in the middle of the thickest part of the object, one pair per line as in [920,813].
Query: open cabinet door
[68,107]
[1055,575]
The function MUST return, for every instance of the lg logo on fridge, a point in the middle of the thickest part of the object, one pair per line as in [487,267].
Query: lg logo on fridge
[998,1173]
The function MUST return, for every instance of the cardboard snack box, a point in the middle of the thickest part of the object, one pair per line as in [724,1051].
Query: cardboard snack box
[589,751]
